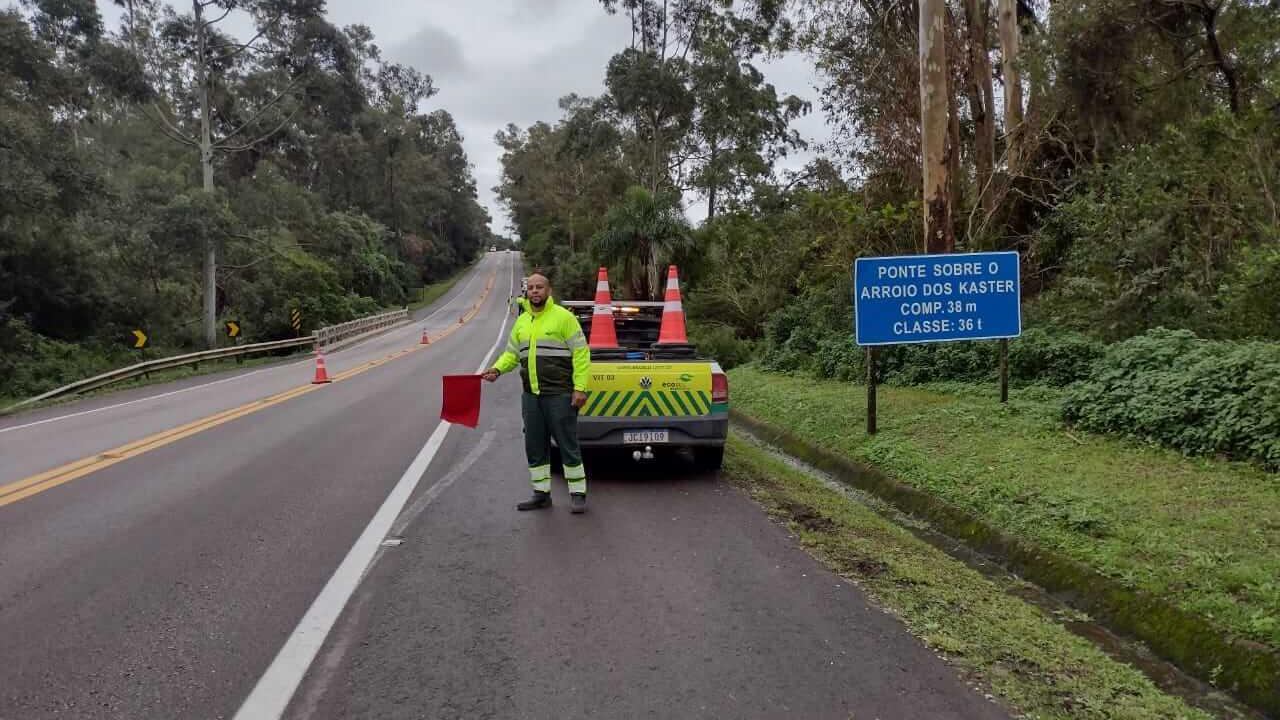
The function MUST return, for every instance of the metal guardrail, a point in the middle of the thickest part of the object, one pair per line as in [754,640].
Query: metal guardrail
[148,366]
[322,338]
[325,337]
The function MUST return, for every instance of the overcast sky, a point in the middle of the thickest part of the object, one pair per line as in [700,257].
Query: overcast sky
[509,61]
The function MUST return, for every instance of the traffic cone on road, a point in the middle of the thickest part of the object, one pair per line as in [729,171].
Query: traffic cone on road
[672,332]
[322,375]
[425,340]
[603,334]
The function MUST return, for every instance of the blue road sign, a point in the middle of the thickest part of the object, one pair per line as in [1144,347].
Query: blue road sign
[937,298]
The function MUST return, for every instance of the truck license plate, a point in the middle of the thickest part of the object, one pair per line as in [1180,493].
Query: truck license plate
[640,437]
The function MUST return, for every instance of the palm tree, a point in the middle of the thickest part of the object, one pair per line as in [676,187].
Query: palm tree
[640,233]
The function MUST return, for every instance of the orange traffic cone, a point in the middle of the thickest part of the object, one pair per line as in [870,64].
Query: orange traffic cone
[672,332]
[425,340]
[603,334]
[322,375]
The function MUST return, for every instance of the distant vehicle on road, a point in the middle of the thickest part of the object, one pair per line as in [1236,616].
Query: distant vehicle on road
[493,248]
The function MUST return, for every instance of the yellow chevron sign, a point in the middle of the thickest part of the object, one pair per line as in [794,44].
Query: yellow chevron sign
[654,403]
[649,390]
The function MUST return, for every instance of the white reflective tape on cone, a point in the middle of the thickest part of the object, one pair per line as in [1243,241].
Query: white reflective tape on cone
[602,286]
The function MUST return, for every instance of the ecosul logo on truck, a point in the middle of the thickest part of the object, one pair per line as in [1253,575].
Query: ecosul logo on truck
[682,385]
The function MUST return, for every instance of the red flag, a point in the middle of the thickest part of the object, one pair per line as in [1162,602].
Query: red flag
[461,404]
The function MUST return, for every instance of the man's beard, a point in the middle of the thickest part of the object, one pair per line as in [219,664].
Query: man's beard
[539,304]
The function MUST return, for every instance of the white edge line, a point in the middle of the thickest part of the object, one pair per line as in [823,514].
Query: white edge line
[270,697]
[202,386]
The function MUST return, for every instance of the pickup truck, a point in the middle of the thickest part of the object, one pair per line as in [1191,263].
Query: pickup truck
[645,397]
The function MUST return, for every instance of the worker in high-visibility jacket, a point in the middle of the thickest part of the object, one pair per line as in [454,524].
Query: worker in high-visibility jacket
[548,346]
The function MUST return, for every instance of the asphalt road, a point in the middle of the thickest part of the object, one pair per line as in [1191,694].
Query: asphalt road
[192,578]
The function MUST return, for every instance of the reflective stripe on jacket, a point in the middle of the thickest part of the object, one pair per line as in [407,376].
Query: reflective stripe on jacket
[550,350]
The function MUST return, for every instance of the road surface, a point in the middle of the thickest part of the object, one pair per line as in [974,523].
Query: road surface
[215,549]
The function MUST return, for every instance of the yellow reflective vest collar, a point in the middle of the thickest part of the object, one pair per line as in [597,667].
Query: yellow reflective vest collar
[550,349]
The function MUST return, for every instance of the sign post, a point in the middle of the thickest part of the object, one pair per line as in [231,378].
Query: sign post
[1004,370]
[910,299]
[871,391]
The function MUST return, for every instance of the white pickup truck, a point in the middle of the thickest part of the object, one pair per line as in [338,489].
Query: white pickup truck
[647,397]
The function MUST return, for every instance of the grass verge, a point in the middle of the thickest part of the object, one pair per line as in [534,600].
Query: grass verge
[1034,664]
[435,291]
[1203,534]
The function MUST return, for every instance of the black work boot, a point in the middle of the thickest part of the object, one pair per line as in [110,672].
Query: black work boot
[537,502]
[577,503]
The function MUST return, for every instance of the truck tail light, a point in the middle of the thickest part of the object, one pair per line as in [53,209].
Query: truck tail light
[719,388]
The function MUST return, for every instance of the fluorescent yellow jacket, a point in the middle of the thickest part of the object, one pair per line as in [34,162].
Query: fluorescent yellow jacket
[550,350]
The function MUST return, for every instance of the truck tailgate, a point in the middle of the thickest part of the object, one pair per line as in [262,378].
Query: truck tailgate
[649,389]
[670,400]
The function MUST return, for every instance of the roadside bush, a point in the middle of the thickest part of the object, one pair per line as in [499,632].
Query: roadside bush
[1056,358]
[721,343]
[1198,396]
[796,353]
[940,362]
[1250,303]
[795,330]
[840,358]
[573,276]
[31,363]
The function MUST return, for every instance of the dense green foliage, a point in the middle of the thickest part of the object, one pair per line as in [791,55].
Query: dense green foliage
[33,363]
[1183,232]
[1140,190]
[1199,396]
[331,192]
[720,342]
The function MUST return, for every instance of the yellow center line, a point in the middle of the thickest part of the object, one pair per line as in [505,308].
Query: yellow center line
[38,483]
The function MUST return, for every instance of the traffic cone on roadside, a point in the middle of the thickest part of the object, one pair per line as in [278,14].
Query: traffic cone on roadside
[603,334]
[672,331]
[322,375]
[425,340]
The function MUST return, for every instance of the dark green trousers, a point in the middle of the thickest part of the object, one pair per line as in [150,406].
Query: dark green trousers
[547,417]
